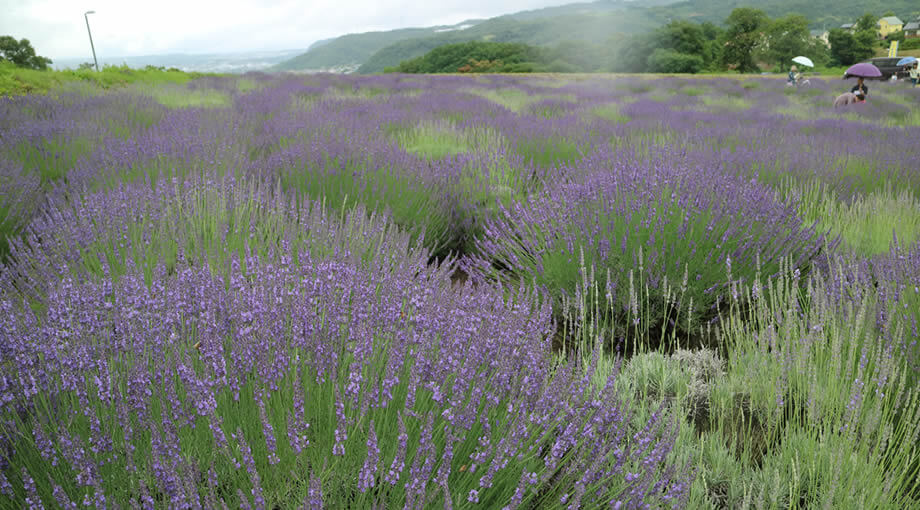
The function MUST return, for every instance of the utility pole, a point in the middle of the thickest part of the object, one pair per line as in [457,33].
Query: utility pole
[86,17]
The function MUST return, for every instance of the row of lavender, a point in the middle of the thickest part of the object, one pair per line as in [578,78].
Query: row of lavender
[196,313]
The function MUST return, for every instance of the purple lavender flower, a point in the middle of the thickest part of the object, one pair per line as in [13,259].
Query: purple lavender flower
[315,493]
[368,474]
[32,498]
[399,461]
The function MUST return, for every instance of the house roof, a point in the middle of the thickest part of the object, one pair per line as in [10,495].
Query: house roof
[847,26]
[892,20]
[913,25]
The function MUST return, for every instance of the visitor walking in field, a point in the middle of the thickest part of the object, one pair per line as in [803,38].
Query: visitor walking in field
[914,73]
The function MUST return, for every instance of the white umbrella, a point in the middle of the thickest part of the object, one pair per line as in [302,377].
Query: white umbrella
[805,61]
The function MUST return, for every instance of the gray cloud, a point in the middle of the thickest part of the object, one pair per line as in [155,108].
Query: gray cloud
[129,28]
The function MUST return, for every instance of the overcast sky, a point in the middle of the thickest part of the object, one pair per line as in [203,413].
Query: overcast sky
[130,28]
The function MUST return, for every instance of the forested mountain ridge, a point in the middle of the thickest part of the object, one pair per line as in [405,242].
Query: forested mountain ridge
[825,14]
[351,49]
[604,23]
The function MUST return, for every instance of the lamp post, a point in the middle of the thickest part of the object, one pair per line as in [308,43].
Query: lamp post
[86,17]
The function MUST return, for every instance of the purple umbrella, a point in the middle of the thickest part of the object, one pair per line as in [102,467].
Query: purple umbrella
[863,70]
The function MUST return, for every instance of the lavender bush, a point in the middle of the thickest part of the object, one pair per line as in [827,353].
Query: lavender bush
[684,235]
[288,381]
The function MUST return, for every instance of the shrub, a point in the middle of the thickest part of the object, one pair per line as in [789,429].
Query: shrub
[670,61]
[658,240]
[371,387]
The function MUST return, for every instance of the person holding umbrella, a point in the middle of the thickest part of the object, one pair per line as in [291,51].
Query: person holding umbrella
[860,87]
[795,78]
[910,63]
[861,71]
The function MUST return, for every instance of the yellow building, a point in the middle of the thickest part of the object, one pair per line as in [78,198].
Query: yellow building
[889,25]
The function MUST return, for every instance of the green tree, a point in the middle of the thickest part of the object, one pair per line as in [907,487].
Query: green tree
[678,47]
[712,33]
[476,56]
[848,48]
[671,61]
[634,52]
[576,56]
[866,35]
[21,53]
[787,37]
[742,38]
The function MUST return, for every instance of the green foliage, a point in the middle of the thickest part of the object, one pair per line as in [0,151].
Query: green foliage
[582,29]
[678,47]
[848,48]
[351,49]
[671,61]
[910,44]
[412,204]
[548,152]
[437,140]
[604,24]
[52,158]
[743,37]
[896,36]
[577,56]
[867,225]
[475,57]
[17,81]
[633,56]
[822,13]
[866,23]
[21,54]
[175,96]
[788,37]
[821,422]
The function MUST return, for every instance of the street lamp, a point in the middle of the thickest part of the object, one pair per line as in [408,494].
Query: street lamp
[86,17]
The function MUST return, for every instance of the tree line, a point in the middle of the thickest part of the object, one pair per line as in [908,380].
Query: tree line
[747,41]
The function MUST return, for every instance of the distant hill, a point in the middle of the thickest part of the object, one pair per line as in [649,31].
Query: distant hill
[352,50]
[538,27]
[600,23]
[321,42]
[576,23]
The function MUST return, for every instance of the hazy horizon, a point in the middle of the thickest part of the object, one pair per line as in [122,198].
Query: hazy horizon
[57,30]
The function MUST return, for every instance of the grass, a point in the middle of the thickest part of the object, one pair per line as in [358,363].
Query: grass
[17,81]
[726,103]
[610,112]
[439,139]
[412,204]
[52,158]
[868,224]
[549,152]
[513,99]
[182,97]
[822,421]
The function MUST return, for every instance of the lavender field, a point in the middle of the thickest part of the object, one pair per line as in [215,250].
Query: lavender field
[493,292]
